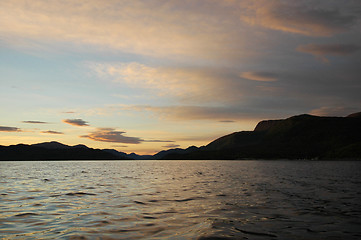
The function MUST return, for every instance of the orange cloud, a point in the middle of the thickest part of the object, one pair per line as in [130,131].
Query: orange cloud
[179,113]
[150,28]
[337,111]
[182,83]
[260,76]
[299,17]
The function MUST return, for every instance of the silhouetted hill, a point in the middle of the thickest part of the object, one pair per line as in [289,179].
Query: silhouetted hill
[181,151]
[51,145]
[355,115]
[55,151]
[298,137]
[139,157]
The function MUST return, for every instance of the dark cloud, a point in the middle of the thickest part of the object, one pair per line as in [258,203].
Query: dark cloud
[35,122]
[171,146]
[226,121]
[9,129]
[52,132]
[112,135]
[76,122]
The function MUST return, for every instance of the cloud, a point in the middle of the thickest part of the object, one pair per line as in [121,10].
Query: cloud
[171,146]
[121,146]
[322,50]
[159,141]
[185,84]
[260,76]
[76,122]
[9,129]
[302,17]
[52,132]
[337,111]
[151,28]
[35,122]
[112,135]
[186,113]
[226,121]
[198,53]
[200,138]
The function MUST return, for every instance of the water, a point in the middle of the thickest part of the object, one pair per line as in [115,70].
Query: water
[180,200]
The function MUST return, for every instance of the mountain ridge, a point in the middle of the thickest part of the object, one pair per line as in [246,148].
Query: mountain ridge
[298,137]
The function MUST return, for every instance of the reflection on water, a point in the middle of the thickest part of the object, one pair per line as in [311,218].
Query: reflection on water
[180,200]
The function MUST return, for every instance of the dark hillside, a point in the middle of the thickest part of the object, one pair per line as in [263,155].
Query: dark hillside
[54,151]
[299,137]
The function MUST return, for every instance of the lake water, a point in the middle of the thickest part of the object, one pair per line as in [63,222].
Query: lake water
[180,200]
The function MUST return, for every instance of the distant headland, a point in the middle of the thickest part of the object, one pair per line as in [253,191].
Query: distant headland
[298,137]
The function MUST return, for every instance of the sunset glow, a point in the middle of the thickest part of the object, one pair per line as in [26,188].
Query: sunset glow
[145,76]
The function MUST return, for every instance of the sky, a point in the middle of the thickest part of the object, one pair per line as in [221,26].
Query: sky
[145,76]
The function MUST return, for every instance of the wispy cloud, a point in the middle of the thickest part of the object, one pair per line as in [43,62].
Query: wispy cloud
[171,146]
[9,129]
[151,28]
[184,84]
[195,85]
[181,83]
[301,17]
[181,113]
[226,121]
[76,122]
[322,50]
[112,135]
[52,132]
[121,146]
[35,122]
[337,111]
[260,76]
[158,141]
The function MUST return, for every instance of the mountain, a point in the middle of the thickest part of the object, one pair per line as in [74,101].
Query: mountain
[140,157]
[51,145]
[298,137]
[174,151]
[56,151]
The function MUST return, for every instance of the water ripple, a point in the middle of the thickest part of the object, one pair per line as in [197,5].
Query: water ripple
[180,200]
